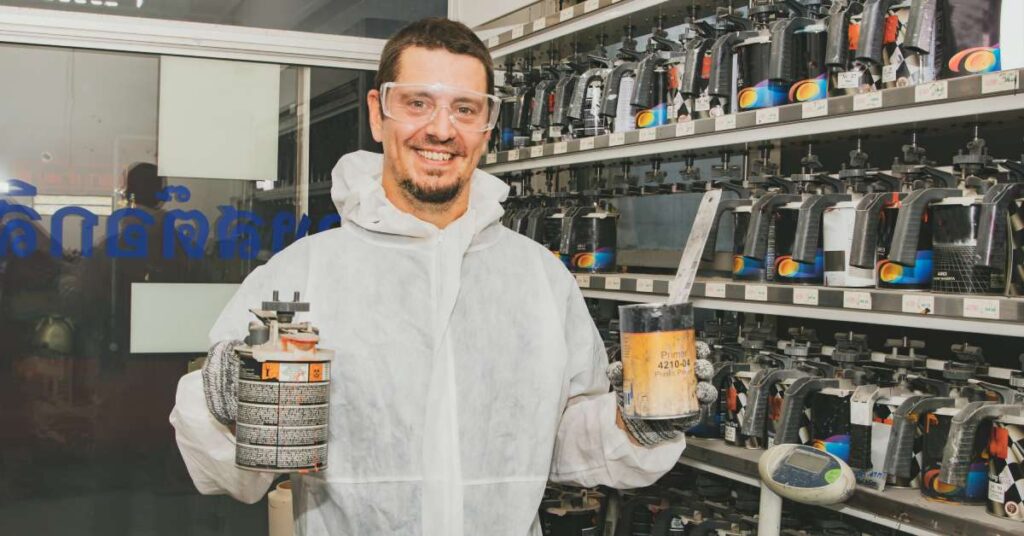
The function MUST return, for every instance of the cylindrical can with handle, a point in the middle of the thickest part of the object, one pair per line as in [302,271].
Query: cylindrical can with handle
[659,379]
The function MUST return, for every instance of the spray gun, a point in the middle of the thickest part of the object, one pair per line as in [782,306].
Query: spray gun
[620,85]
[584,107]
[568,78]
[694,80]
[838,57]
[809,240]
[871,45]
[543,98]
[722,78]
[919,45]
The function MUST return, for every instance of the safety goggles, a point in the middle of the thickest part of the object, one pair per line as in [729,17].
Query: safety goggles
[419,104]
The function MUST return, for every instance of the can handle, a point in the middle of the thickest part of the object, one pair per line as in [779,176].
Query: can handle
[900,450]
[992,224]
[864,251]
[921,27]
[959,450]
[794,404]
[808,225]
[910,220]
[761,214]
[837,46]
[727,205]
[872,31]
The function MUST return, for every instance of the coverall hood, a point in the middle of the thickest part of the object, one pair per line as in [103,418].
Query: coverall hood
[359,196]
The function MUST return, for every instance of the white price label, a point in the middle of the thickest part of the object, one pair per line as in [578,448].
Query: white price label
[996,492]
[645,285]
[848,80]
[537,135]
[561,147]
[555,132]
[616,138]
[513,155]
[491,158]
[493,42]
[539,24]
[583,281]
[857,300]
[586,144]
[686,128]
[755,293]
[565,14]
[613,283]
[918,305]
[861,414]
[590,5]
[771,442]
[702,104]
[714,290]
[518,31]
[998,82]
[867,101]
[817,108]
[934,91]
[889,73]
[725,122]
[649,134]
[730,433]
[981,308]
[767,115]
[537,152]
[805,296]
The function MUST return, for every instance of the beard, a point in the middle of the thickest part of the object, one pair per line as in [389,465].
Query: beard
[431,195]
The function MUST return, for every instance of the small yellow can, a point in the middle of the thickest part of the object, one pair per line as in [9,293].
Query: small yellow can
[659,379]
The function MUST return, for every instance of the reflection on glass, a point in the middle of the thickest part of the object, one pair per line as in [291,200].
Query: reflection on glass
[359,18]
[83,216]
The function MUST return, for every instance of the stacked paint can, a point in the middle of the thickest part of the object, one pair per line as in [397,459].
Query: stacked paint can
[1006,468]
[659,355]
[283,393]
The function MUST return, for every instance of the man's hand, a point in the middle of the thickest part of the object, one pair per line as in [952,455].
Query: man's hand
[220,382]
[652,433]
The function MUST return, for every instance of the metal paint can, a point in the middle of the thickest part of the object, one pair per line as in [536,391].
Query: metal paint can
[659,379]
[283,410]
[1006,468]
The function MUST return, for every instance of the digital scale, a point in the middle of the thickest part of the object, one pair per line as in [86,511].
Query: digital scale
[806,475]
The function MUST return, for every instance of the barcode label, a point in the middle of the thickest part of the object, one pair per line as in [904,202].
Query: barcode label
[848,80]
[755,293]
[491,158]
[613,283]
[818,108]
[616,138]
[857,300]
[513,155]
[714,290]
[918,305]
[518,31]
[586,144]
[725,122]
[583,281]
[686,128]
[645,285]
[565,14]
[537,152]
[805,296]
[649,134]
[589,5]
[867,101]
[767,115]
[997,82]
[561,147]
[934,91]
[981,308]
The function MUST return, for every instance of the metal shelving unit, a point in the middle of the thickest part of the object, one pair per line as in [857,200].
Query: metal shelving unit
[902,509]
[918,309]
[989,95]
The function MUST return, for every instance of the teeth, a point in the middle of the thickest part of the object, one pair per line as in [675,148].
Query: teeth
[437,157]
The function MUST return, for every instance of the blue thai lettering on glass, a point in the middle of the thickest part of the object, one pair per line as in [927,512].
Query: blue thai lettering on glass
[17,234]
[136,239]
[89,220]
[284,224]
[191,233]
[238,233]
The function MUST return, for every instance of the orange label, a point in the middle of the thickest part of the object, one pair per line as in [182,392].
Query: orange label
[999,442]
[892,26]
[316,372]
[658,376]
[271,370]
[853,35]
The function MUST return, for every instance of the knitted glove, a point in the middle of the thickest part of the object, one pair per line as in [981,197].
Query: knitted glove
[650,433]
[220,381]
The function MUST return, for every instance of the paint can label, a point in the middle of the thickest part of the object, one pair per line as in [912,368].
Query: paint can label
[659,378]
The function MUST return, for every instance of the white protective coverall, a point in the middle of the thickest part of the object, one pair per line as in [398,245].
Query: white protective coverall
[467,374]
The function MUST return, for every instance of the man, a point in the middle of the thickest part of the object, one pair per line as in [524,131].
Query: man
[468,372]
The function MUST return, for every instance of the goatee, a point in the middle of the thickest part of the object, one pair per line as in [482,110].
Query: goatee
[431,195]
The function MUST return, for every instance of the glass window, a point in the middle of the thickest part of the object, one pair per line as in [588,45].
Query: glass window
[359,18]
[85,444]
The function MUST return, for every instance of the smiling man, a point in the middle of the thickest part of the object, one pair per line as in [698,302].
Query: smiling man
[468,371]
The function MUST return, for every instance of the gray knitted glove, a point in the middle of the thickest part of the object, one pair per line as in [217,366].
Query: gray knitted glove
[220,381]
[655,432]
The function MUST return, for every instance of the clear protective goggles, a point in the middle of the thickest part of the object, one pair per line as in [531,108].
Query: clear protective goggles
[418,104]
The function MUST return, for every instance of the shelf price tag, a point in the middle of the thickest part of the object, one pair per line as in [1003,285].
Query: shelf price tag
[537,152]
[714,290]
[816,108]
[998,82]
[755,293]
[561,147]
[702,104]
[981,308]
[767,115]
[493,42]
[725,122]
[616,138]
[589,5]
[645,285]
[513,155]
[583,280]
[889,73]
[918,305]
[539,24]
[491,158]
[537,136]
[848,80]
[518,31]
[613,283]
[649,134]
[805,296]
[686,128]
[938,90]
[867,101]
[565,14]
[857,300]
[586,144]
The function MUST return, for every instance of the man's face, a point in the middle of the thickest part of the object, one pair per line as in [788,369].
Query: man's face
[432,162]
